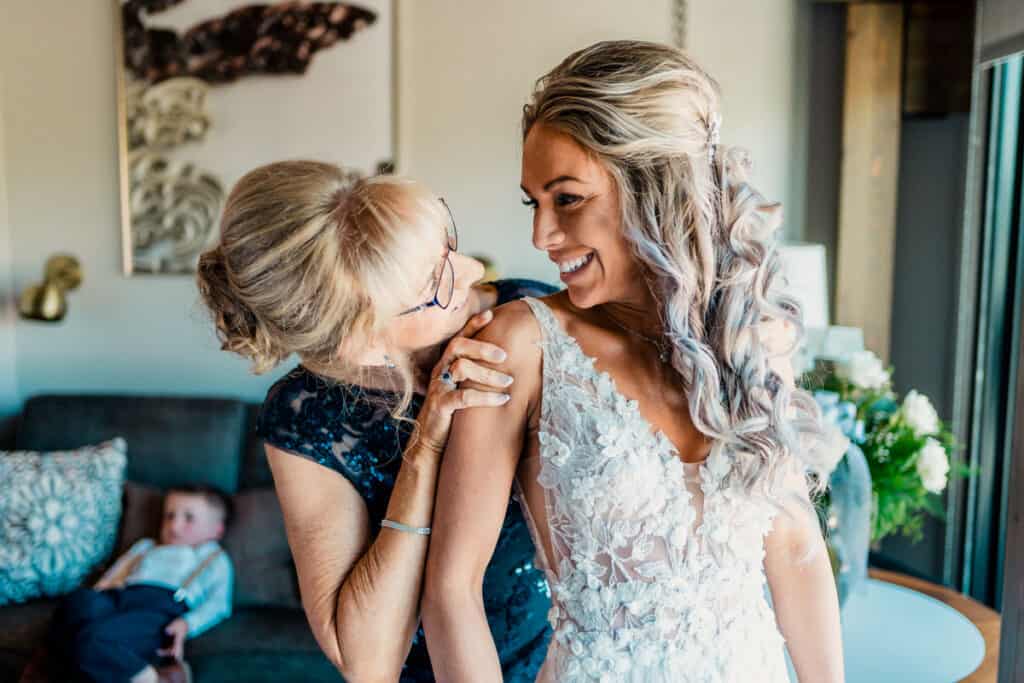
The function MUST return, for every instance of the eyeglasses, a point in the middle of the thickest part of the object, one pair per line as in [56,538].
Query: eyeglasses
[446,278]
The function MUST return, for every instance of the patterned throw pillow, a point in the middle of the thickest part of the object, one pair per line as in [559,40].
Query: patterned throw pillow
[59,514]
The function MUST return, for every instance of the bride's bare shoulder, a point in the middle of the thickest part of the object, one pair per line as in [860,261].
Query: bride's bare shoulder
[516,324]
[514,328]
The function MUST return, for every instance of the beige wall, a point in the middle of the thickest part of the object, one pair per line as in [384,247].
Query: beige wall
[1002,27]
[8,374]
[465,73]
[750,46]
[467,148]
[138,334]
[465,69]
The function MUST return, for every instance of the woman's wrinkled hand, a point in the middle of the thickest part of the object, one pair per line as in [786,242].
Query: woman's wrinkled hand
[461,361]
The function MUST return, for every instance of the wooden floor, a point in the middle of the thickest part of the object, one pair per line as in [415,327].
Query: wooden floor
[986,619]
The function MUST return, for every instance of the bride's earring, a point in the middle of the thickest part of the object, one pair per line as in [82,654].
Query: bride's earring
[388,363]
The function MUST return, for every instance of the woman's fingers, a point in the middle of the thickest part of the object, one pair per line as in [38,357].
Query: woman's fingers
[460,347]
[464,369]
[473,398]
[461,361]
[476,323]
[435,418]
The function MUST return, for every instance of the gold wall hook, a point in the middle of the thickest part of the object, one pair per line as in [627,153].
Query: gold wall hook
[64,270]
[46,301]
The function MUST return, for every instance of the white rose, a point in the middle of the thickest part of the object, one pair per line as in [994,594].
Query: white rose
[919,414]
[864,369]
[933,466]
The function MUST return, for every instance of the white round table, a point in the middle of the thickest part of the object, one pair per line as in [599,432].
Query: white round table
[893,634]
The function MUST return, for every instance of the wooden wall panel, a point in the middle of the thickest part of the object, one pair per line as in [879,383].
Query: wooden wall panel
[869,171]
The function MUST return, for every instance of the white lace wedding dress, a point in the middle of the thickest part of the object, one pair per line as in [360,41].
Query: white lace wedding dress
[656,566]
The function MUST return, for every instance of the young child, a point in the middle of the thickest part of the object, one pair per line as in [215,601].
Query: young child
[154,596]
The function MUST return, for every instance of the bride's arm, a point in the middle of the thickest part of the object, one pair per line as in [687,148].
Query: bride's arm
[472,496]
[797,565]
[804,595]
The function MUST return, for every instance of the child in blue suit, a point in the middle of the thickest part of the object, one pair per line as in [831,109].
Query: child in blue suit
[160,591]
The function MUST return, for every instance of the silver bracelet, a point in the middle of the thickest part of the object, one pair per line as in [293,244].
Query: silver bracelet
[420,530]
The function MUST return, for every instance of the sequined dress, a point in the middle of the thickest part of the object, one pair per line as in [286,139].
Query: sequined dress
[349,430]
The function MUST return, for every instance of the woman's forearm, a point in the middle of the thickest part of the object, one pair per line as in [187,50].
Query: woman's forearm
[460,641]
[378,601]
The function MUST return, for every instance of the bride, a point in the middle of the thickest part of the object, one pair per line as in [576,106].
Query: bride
[653,436]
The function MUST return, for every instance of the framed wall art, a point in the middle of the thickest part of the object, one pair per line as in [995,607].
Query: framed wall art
[210,89]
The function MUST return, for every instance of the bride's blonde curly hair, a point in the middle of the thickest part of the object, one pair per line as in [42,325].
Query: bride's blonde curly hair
[650,115]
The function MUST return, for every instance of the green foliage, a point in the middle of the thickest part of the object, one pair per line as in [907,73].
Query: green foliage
[892,448]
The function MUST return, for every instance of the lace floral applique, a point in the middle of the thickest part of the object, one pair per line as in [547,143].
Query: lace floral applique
[657,573]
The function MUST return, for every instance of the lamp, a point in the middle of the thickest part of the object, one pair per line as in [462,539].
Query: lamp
[807,280]
[46,301]
[806,273]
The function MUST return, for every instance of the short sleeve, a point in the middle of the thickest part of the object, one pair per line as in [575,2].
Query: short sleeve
[517,288]
[329,423]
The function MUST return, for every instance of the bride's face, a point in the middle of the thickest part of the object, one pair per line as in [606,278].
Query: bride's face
[577,219]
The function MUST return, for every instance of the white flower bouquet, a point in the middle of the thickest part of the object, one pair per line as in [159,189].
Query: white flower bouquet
[909,450]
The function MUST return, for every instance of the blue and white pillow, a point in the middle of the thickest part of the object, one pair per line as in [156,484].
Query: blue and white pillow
[59,515]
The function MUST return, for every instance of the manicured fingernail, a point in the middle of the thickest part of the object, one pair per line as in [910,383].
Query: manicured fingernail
[505,398]
[499,355]
[507,379]
[486,316]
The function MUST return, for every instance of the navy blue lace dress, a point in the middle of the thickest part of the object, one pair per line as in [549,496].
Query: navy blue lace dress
[348,429]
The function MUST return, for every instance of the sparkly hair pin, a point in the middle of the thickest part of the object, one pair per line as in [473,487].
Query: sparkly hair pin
[714,133]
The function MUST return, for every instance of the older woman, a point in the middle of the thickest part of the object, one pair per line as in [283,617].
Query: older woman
[362,280]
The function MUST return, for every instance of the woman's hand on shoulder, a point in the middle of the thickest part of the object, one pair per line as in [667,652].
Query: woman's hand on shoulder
[475,362]
[515,328]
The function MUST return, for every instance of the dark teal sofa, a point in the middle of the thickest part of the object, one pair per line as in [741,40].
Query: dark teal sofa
[180,440]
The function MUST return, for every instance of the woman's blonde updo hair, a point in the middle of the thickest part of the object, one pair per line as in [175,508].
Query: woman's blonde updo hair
[650,115]
[308,264]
